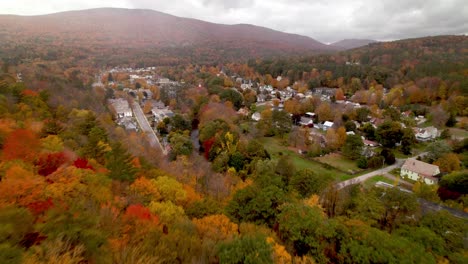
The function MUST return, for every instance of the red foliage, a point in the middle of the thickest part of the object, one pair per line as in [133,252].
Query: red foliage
[50,162]
[82,163]
[138,211]
[31,239]
[446,194]
[21,144]
[207,145]
[28,92]
[40,207]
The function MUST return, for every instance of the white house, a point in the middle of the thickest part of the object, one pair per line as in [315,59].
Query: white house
[160,114]
[420,171]
[121,107]
[327,125]
[306,121]
[428,133]
[256,116]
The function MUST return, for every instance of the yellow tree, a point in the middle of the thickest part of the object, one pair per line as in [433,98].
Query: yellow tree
[448,162]
[341,136]
[216,228]
[332,139]
[324,112]
[21,186]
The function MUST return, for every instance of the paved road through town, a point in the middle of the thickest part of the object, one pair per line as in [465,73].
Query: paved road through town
[145,126]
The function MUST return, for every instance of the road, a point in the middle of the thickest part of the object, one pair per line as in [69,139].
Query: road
[145,126]
[362,178]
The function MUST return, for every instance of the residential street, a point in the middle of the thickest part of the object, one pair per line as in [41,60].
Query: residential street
[145,126]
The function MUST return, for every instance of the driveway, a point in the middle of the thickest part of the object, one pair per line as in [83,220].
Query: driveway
[382,171]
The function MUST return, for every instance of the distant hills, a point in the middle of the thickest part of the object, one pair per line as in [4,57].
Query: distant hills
[136,28]
[113,36]
[352,43]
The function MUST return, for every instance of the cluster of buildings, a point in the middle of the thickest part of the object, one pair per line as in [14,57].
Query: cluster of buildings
[123,113]
[159,111]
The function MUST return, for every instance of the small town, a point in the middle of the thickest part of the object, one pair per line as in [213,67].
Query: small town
[228,132]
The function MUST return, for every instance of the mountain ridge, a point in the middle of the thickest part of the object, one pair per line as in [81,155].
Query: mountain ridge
[352,43]
[143,27]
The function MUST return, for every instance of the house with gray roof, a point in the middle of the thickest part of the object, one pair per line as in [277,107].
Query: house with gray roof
[420,171]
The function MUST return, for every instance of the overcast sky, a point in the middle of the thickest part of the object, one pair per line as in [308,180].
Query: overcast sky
[324,20]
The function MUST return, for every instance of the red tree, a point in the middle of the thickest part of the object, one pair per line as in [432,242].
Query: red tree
[21,144]
[50,162]
[138,211]
[82,163]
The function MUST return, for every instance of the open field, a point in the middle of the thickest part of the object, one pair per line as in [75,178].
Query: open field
[340,162]
[274,147]
[458,132]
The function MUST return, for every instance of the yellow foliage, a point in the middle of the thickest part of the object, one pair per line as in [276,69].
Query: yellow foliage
[192,195]
[303,260]
[280,254]
[145,189]
[313,201]
[58,251]
[74,183]
[21,186]
[52,143]
[167,212]
[216,227]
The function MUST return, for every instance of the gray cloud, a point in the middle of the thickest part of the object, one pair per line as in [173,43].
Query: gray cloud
[324,20]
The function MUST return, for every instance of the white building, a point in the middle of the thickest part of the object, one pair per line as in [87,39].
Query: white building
[160,114]
[428,133]
[327,125]
[256,116]
[420,171]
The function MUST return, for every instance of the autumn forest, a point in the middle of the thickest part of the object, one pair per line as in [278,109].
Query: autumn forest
[275,149]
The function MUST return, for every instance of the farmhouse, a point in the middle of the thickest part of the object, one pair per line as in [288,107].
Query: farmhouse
[420,171]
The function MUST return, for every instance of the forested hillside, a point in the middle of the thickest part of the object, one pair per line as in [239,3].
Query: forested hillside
[260,152]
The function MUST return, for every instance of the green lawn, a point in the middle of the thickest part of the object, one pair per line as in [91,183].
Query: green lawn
[372,181]
[340,162]
[273,146]
[457,132]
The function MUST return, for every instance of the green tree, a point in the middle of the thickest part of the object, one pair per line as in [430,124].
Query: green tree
[407,140]
[180,145]
[437,149]
[447,226]
[179,123]
[362,114]
[352,147]
[389,133]
[369,131]
[281,122]
[398,206]
[304,229]
[252,204]
[285,168]
[306,182]
[376,246]
[247,249]
[233,96]
[119,164]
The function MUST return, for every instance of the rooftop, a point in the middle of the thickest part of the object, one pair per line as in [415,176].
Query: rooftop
[420,167]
